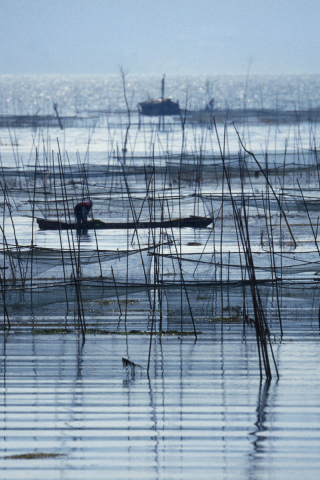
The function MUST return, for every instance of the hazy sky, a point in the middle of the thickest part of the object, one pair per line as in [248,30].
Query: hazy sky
[159,36]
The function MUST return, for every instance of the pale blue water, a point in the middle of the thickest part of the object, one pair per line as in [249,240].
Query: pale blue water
[202,412]
[21,95]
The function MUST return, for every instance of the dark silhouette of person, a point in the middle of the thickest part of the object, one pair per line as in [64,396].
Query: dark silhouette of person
[81,212]
[210,106]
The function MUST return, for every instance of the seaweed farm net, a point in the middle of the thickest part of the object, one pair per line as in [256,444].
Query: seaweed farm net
[139,346]
[262,219]
[25,263]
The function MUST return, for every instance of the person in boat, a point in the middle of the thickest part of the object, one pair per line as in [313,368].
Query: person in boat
[210,106]
[81,212]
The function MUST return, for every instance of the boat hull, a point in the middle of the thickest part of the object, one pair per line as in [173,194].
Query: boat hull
[153,108]
[191,222]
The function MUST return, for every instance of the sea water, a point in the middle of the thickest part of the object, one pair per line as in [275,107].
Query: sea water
[72,409]
[32,95]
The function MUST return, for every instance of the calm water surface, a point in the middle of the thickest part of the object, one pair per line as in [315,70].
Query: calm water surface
[70,410]
[201,413]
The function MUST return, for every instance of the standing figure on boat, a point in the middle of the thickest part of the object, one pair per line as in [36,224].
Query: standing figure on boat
[81,212]
[210,106]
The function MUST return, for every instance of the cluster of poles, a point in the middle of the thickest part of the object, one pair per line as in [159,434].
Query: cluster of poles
[158,187]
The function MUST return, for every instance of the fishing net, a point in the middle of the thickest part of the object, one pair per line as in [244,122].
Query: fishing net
[131,266]
[24,299]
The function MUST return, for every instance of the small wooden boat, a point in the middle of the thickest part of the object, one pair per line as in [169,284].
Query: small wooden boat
[192,222]
[159,107]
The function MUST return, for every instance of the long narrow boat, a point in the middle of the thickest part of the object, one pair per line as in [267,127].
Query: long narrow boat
[192,221]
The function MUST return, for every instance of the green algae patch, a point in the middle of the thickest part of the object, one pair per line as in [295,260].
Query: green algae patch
[51,331]
[98,331]
[230,319]
[128,302]
[176,332]
[30,456]
[106,302]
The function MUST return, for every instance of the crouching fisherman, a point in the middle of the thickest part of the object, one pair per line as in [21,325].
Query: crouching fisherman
[81,212]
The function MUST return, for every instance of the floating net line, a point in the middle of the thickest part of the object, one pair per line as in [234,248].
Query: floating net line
[24,299]
[231,266]
[52,190]
[55,263]
[117,204]
[225,303]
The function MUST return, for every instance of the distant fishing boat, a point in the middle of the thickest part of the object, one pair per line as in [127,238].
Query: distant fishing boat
[192,222]
[159,107]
